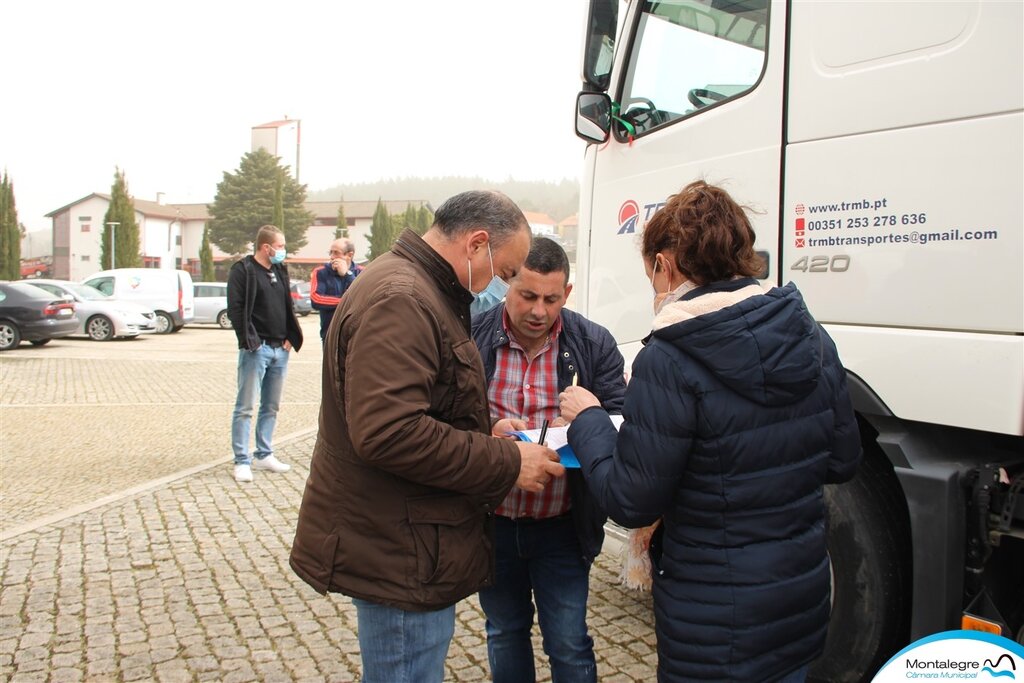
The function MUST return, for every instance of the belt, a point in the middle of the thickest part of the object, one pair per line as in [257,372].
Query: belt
[275,343]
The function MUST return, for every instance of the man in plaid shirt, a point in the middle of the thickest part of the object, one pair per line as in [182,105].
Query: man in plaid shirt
[532,348]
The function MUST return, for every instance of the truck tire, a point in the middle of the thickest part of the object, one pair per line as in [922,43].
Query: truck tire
[869,547]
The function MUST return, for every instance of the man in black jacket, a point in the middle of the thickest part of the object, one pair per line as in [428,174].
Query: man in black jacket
[260,310]
[532,348]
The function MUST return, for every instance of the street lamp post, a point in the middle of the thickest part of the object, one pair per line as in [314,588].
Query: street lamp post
[113,238]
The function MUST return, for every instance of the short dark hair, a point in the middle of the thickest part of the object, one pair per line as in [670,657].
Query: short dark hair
[547,256]
[480,209]
[709,232]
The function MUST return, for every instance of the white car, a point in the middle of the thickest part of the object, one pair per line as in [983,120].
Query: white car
[101,317]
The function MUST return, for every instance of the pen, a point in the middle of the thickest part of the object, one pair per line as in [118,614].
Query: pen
[575,376]
[543,432]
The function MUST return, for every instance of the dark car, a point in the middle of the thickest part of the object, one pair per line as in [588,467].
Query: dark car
[33,314]
[300,298]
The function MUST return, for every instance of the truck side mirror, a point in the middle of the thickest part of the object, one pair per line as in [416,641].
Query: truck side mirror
[593,116]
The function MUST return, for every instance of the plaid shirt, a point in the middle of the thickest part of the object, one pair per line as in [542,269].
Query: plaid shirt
[528,390]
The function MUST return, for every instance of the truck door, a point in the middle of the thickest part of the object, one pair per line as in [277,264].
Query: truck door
[697,87]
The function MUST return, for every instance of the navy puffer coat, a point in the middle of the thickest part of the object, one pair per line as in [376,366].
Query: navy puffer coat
[736,415]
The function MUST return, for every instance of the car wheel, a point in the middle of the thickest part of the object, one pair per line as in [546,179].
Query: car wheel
[868,545]
[164,324]
[176,329]
[99,328]
[223,321]
[40,342]
[10,335]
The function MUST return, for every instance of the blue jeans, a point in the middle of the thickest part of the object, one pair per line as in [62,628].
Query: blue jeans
[542,557]
[398,646]
[260,373]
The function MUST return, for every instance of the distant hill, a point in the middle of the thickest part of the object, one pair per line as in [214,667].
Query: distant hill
[558,200]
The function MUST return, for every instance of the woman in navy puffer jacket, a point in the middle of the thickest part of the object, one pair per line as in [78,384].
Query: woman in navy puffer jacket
[736,415]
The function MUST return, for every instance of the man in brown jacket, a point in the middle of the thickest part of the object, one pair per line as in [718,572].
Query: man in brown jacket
[398,508]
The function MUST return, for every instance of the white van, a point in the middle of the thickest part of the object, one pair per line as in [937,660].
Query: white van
[168,292]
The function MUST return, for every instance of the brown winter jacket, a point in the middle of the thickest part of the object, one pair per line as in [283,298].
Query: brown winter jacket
[404,477]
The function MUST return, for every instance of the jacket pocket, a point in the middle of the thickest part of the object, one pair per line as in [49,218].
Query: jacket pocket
[448,534]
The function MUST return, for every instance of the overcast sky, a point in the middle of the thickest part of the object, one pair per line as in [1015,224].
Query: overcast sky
[169,91]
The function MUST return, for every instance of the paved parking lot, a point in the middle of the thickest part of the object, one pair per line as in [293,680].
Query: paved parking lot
[128,552]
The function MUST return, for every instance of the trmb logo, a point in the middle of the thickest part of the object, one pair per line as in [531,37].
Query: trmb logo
[629,216]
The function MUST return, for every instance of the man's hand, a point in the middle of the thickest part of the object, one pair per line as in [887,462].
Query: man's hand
[505,426]
[340,265]
[574,400]
[538,465]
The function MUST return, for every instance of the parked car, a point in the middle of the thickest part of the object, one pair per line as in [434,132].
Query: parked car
[168,292]
[101,317]
[211,302]
[32,314]
[300,298]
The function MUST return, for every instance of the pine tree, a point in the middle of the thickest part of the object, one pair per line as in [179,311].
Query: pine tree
[342,225]
[246,200]
[382,234]
[209,273]
[126,247]
[10,235]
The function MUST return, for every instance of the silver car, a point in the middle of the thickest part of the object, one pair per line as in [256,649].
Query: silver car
[101,317]
[211,302]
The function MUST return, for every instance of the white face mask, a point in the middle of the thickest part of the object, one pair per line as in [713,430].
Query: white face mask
[663,299]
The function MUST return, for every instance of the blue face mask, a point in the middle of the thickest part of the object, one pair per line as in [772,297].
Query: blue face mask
[278,256]
[492,294]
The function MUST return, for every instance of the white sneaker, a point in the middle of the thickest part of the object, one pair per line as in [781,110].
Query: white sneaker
[243,473]
[270,463]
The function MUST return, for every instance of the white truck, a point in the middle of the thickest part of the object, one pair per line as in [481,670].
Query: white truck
[880,148]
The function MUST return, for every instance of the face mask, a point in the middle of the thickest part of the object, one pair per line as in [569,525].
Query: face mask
[492,294]
[278,256]
[663,299]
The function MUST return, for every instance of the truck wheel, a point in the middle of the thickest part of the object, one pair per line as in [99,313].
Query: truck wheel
[164,324]
[10,335]
[99,328]
[869,548]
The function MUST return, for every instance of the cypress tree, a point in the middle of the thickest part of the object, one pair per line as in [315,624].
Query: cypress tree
[424,220]
[342,225]
[10,235]
[382,235]
[126,248]
[206,257]
[278,204]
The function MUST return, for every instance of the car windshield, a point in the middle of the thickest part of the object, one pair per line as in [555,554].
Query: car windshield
[86,292]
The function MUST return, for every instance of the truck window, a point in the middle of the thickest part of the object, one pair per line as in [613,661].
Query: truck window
[688,55]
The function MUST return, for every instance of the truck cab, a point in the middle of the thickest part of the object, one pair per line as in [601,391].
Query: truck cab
[879,150]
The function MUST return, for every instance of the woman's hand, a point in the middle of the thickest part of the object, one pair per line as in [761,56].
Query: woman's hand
[505,426]
[574,400]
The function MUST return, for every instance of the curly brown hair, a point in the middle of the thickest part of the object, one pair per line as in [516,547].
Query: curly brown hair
[709,233]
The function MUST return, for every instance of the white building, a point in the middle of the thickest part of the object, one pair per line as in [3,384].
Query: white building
[282,139]
[170,235]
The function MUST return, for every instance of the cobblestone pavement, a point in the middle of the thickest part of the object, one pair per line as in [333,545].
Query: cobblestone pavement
[186,578]
[80,420]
